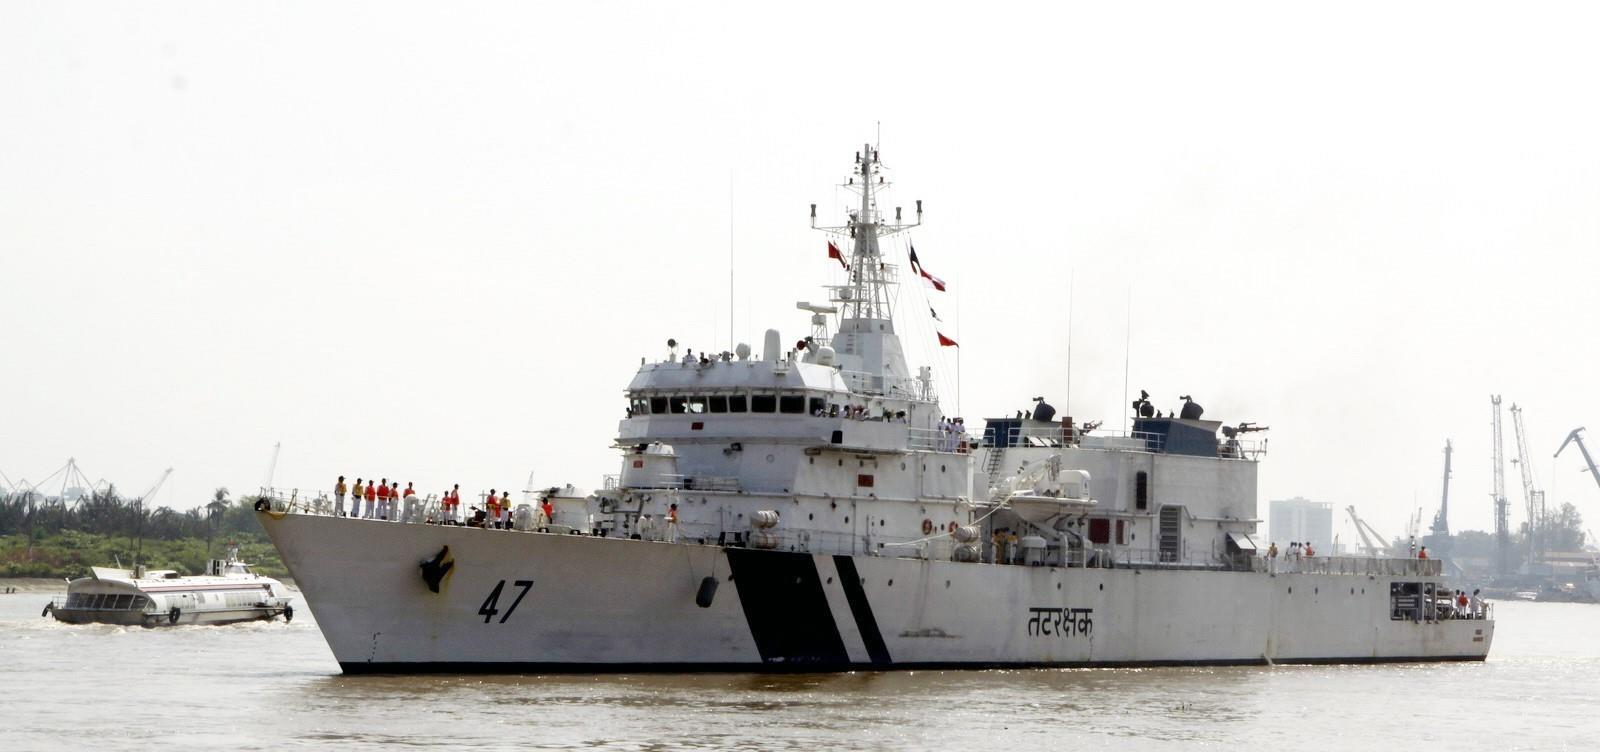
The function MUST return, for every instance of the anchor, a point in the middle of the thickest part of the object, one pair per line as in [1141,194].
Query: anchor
[434,570]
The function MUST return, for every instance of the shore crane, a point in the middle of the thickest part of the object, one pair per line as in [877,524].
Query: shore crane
[1502,522]
[1367,534]
[1530,494]
[1576,438]
[1439,534]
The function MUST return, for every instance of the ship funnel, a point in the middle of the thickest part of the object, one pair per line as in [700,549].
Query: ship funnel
[771,347]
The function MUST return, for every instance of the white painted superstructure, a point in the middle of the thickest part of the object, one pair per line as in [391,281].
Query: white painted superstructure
[811,507]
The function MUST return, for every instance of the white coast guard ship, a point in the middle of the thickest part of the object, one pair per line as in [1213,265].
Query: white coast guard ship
[811,509]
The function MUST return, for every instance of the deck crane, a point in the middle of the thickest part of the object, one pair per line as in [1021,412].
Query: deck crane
[1367,534]
[1439,534]
[1530,494]
[1575,437]
[1502,531]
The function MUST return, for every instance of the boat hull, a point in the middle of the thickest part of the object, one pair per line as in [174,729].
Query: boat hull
[532,602]
[151,619]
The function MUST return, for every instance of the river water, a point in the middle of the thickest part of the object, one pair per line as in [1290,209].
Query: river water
[269,686]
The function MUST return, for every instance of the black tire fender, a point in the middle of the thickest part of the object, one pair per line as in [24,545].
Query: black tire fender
[172,616]
[288,614]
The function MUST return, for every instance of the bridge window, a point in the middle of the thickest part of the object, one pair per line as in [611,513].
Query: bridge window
[1141,490]
[736,403]
[697,405]
[1099,531]
[763,403]
[792,403]
[658,405]
[819,406]
[680,405]
[717,404]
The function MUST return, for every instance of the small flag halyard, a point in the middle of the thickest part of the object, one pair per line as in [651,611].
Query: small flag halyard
[833,253]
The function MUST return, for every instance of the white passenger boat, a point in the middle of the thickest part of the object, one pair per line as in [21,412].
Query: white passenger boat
[812,508]
[227,593]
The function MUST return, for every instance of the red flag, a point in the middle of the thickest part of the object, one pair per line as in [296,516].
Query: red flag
[946,341]
[938,284]
[833,253]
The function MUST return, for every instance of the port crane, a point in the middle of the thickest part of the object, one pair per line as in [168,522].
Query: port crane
[1502,531]
[1439,534]
[1368,535]
[1577,438]
[1530,493]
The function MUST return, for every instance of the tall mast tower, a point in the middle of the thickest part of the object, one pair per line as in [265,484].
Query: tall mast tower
[1502,532]
[866,344]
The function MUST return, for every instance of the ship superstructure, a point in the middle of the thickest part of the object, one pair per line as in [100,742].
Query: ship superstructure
[811,507]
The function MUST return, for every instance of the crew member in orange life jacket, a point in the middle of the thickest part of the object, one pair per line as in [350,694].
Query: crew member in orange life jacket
[452,505]
[383,499]
[372,500]
[492,505]
[672,523]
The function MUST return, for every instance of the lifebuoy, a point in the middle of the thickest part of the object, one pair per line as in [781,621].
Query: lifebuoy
[172,616]
[927,527]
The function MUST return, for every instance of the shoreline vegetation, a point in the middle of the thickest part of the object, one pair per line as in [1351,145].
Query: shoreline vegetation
[48,539]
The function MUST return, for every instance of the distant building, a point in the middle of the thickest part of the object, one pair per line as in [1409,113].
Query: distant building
[1301,520]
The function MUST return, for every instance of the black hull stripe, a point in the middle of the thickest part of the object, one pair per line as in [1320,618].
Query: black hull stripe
[469,667]
[877,651]
[787,609]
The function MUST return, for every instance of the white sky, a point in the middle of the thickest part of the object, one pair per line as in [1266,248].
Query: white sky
[432,242]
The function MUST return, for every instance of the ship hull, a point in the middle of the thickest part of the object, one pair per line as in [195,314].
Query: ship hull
[537,603]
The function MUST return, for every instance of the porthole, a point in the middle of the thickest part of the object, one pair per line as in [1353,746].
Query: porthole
[881,523]
[891,583]
[902,466]
[811,515]
[1291,590]
[947,583]
[1058,586]
[770,458]
[811,460]
[830,580]
[847,520]
[1316,590]
[941,468]
[841,463]
[1102,586]
[1352,591]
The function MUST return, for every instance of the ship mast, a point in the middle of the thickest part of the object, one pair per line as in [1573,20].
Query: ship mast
[866,342]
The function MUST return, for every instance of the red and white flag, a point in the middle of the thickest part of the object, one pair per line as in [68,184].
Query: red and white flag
[946,341]
[833,253]
[916,266]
